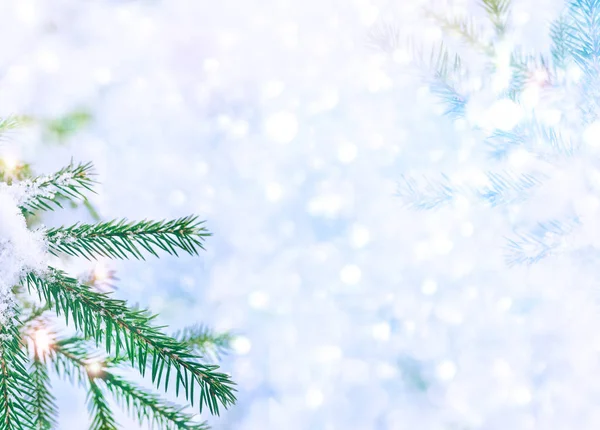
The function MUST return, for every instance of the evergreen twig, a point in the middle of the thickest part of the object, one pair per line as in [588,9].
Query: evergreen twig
[102,416]
[498,11]
[47,192]
[109,320]
[16,388]
[148,407]
[123,239]
[205,340]
[44,409]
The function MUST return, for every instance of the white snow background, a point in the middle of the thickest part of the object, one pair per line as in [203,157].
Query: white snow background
[275,122]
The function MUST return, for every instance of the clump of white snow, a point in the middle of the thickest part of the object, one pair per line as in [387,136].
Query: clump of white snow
[21,250]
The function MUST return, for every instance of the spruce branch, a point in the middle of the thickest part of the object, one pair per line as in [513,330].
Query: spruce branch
[502,188]
[464,28]
[583,45]
[523,66]
[44,409]
[545,141]
[145,406]
[127,334]
[204,340]
[385,36]
[47,192]
[583,39]
[445,66]
[70,357]
[9,123]
[62,128]
[506,188]
[35,313]
[16,388]
[545,239]
[102,416]
[123,239]
[454,103]
[426,194]
[498,13]
[445,69]
[559,31]
[148,407]
[104,319]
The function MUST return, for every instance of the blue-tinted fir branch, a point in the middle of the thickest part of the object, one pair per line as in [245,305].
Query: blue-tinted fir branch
[583,45]
[506,188]
[503,188]
[427,194]
[545,239]
[545,141]
[559,32]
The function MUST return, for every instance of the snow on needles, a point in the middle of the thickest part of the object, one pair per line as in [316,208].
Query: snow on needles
[21,250]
